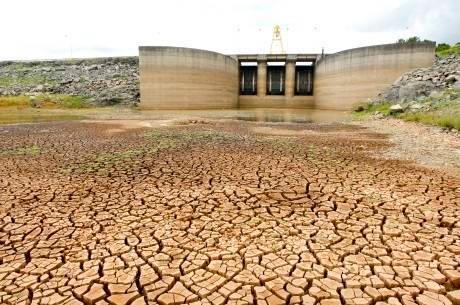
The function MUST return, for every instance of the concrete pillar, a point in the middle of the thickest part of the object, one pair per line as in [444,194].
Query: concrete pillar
[290,78]
[261,78]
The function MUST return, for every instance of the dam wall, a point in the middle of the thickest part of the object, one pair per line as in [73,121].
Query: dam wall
[347,78]
[184,78]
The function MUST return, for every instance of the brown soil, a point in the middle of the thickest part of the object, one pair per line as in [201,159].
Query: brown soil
[221,213]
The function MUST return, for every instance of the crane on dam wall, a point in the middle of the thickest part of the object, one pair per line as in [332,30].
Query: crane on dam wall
[277,42]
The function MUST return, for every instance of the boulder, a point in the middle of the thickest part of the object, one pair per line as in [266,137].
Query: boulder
[435,94]
[416,106]
[415,89]
[396,109]
[39,88]
[452,78]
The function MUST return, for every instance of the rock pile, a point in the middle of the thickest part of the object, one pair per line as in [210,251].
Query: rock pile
[104,81]
[445,73]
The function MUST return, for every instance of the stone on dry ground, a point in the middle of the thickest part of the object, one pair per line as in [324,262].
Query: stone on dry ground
[228,217]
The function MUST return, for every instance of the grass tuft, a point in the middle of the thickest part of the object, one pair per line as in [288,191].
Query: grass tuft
[169,136]
[432,118]
[364,110]
[33,150]
[15,101]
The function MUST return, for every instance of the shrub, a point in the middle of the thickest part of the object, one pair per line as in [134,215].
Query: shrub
[371,108]
[442,47]
[71,101]
[443,51]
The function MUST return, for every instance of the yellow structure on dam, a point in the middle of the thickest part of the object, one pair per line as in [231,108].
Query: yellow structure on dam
[183,78]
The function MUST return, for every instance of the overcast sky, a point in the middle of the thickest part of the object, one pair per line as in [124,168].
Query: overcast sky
[38,29]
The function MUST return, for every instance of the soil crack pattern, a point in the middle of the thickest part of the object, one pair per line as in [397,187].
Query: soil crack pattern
[221,212]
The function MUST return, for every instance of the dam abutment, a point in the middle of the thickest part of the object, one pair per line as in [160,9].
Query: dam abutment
[184,78]
[353,76]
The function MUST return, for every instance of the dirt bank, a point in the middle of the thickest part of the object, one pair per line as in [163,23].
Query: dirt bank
[422,144]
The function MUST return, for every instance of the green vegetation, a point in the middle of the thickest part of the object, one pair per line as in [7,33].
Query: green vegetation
[414,39]
[444,49]
[174,136]
[364,110]
[66,101]
[442,110]
[17,110]
[433,118]
[25,80]
[35,116]
[103,161]
[100,162]
[169,138]
[14,66]
[285,143]
[117,156]
[44,108]
[164,139]
[15,101]
[21,151]
[45,101]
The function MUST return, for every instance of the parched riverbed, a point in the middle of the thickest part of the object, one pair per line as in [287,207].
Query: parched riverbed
[221,212]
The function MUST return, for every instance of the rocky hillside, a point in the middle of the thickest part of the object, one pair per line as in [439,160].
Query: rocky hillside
[444,74]
[429,95]
[103,81]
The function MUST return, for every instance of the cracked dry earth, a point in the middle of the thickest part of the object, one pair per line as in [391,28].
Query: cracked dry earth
[221,214]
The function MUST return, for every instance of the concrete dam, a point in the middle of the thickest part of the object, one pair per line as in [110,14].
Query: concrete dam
[184,78]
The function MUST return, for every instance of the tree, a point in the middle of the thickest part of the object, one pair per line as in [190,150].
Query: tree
[414,39]
[442,47]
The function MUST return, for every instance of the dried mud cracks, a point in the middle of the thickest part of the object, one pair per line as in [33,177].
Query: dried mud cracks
[215,214]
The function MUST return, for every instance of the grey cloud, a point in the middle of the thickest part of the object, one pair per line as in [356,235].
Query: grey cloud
[429,19]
